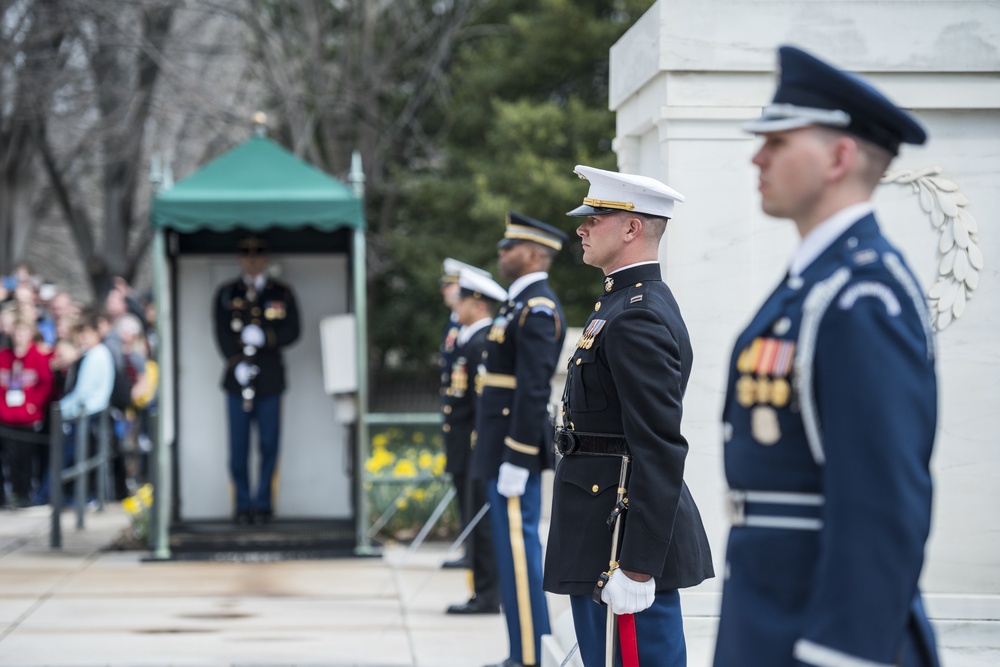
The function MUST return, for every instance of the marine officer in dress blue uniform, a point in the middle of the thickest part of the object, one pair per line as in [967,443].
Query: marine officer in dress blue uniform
[831,405]
[478,297]
[255,318]
[513,428]
[623,397]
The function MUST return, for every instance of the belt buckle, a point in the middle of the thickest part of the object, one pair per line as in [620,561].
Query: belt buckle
[737,508]
[566,441]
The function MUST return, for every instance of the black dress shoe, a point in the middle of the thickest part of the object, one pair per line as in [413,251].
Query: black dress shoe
[242,519]
[473,607]
[261,518]
[457,564]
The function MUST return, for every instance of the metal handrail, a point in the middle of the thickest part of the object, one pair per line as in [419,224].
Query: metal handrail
[390,418]
[80,469]
[25,435]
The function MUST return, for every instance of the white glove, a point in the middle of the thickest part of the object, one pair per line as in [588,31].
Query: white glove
[512,480]
[628,596]
[253,335]
[245,372]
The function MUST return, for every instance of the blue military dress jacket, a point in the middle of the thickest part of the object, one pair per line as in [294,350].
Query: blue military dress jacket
[627,377]
[275,310]
[450,337]
[829,422]
[522,349]
[459,400]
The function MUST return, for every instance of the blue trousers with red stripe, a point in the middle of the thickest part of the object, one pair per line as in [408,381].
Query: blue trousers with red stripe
[519,567]
[659,631]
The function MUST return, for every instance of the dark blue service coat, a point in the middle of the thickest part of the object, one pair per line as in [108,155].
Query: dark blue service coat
[829,422]
[512,422]
[275,310]
[459,402]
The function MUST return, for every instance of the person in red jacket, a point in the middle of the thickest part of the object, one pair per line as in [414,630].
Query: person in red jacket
[25,394]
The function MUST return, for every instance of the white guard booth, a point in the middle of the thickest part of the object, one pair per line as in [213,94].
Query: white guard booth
[685,79]
[315,228]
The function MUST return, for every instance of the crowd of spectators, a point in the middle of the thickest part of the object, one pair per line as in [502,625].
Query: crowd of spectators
[87,359]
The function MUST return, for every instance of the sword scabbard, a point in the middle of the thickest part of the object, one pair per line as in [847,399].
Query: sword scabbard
[615,525]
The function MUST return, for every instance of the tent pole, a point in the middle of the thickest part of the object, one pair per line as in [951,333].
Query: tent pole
[363,546]
[362,541]
[163,472]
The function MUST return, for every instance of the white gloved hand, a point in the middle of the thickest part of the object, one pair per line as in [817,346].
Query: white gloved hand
[253,335]
[628,596]
[512,480]
[245,372]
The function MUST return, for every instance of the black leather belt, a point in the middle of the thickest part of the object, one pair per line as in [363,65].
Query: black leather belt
[595,444]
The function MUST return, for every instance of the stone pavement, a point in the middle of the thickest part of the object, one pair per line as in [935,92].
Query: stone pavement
[84,607]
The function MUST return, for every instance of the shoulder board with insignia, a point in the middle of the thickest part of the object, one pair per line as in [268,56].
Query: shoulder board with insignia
[541,304]
[541,301]
[873,289]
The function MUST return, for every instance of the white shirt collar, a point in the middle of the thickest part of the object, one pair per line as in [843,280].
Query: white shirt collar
[518,285]
[652,261]
[258,281]
[466,332]
[825,233]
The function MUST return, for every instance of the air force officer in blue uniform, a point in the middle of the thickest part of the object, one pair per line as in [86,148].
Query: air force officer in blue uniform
[513,429]
[623,396]
[831,405]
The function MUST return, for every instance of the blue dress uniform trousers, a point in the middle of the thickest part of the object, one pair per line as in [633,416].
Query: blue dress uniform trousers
[830,417]
[267,413]
[519,562]
[659,629]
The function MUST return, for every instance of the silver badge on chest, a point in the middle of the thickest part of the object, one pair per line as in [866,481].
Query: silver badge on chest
[764,425]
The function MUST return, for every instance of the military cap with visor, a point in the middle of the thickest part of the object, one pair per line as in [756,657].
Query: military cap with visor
[478,284]
[522,228]
[813,92]
[612,192]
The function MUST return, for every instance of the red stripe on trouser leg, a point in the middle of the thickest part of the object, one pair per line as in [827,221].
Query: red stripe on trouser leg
[627,639]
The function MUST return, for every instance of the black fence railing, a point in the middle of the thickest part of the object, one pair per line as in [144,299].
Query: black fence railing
[79,472]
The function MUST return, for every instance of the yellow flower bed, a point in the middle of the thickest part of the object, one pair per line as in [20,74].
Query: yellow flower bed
[405,471]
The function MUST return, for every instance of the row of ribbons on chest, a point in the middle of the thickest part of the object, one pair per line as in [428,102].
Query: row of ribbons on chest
[271,310]
[765,368]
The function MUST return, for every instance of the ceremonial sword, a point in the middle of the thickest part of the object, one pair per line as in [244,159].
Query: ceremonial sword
[629,657]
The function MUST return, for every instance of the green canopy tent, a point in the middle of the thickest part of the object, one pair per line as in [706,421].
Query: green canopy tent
[255,187]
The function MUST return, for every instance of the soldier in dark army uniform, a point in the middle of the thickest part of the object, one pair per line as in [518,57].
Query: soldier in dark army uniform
[513,429]
[831,405]
[255,317]
[477,299]
[623,397]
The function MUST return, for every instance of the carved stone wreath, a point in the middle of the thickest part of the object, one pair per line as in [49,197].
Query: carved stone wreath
[958,244]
